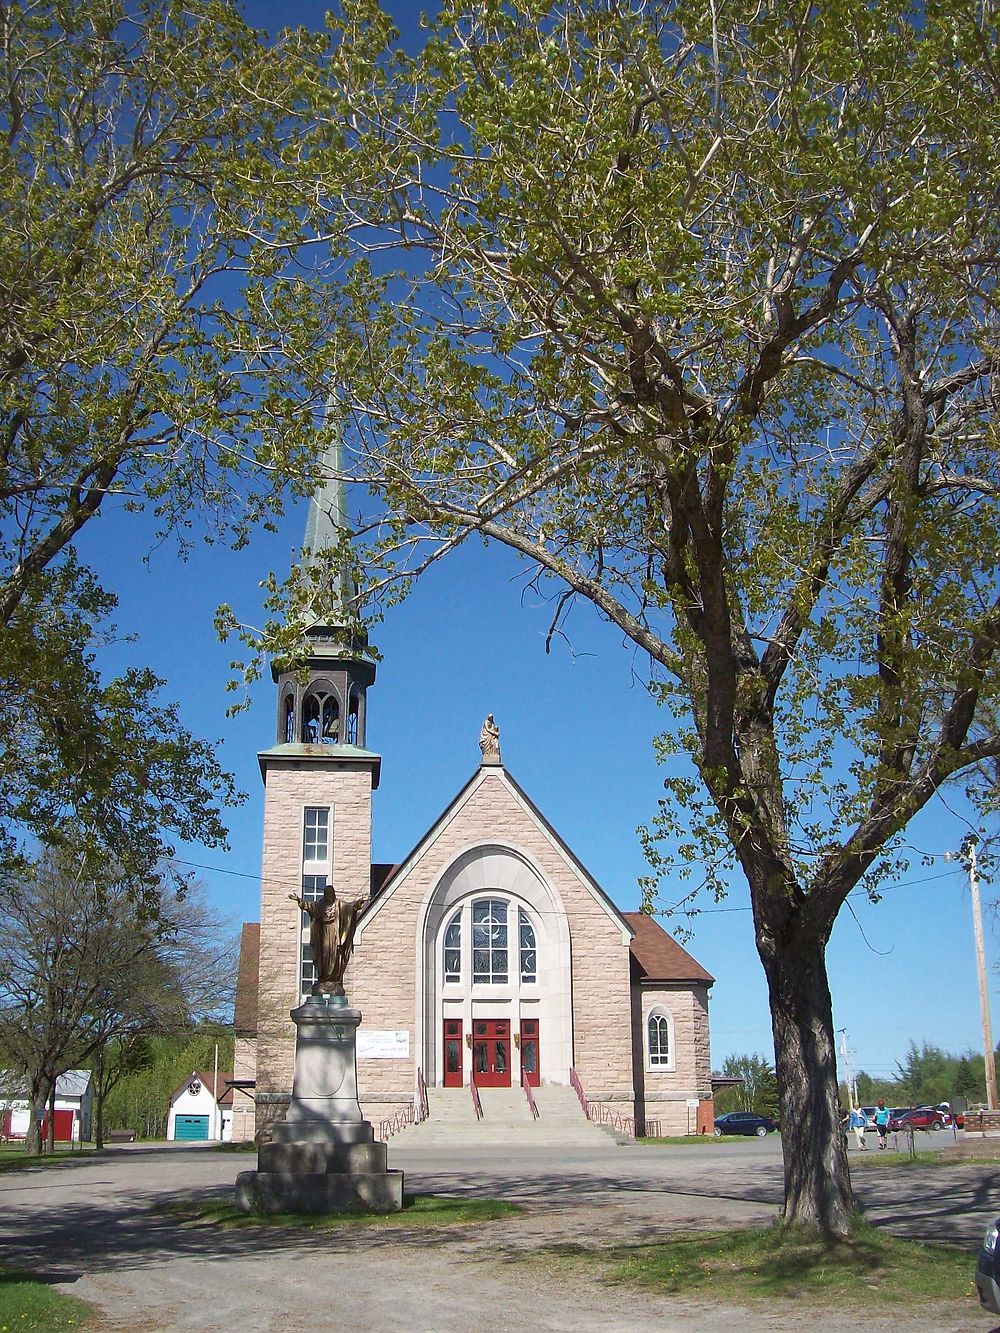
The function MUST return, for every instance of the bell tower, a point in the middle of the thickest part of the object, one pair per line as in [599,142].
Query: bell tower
[318,783]
[328,707]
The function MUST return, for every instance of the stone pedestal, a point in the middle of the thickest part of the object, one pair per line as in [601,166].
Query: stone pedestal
[323,1157]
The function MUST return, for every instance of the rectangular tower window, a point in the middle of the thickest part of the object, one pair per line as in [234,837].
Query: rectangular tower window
[316,834]
[308,977]
[312,891]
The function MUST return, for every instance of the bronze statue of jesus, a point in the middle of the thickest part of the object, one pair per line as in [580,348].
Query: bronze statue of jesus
[332,922]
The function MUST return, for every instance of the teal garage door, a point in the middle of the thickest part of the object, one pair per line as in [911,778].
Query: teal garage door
[191,1127]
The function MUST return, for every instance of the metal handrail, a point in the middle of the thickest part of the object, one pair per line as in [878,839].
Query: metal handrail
[532,1104]
[578,1088]
[402,1118]
[617,1120]
[477,1105]
[422,1110]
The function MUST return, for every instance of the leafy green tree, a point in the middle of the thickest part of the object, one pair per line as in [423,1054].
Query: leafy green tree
[927,1075]
[161,344]
[970,1082]
[86,967]
[758,1090]
[140,1100]
[696,312]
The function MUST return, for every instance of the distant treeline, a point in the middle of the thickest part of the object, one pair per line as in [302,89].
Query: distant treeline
[140,1101]
[926,1076]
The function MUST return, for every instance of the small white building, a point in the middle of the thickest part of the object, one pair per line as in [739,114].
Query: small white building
[74,1107]
[197,1114]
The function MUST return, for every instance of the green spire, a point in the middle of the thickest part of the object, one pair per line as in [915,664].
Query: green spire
[326,558]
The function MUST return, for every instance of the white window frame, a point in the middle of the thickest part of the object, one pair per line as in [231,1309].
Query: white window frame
[659,1011]
[312,845]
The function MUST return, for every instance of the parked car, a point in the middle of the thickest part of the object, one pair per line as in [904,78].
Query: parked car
[987,1271]
[744,1122]
[920,1117]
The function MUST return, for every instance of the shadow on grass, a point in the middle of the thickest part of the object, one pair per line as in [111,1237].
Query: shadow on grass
[790,1264]
[423,1210]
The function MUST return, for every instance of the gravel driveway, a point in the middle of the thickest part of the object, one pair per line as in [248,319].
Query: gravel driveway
[91,1227]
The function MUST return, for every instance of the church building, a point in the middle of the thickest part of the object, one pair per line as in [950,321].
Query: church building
[486,954]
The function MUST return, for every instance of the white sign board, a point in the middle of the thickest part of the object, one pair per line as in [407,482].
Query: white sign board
[375,1045]
[693,1103]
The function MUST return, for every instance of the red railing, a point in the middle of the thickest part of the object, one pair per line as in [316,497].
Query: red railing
[532,1104]
[617,1120]
[578,1088]
[477,1105]
[421,1109]
[402,1118]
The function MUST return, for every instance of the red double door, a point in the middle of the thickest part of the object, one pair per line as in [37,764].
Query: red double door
[490,1052]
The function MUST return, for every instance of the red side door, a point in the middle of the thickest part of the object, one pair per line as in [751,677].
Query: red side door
[530,1069]
[452,1052]
[491,1052]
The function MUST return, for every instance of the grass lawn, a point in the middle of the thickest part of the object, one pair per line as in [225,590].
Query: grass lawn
[966,1152]
[14,1158]
[696,1139]
[25,1302]
[419,1210]
[792,1264]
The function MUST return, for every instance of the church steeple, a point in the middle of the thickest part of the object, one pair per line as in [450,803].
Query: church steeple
[330,708]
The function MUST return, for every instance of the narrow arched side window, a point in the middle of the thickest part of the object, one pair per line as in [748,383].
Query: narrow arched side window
[288,721]
[658,1040]
[526,943]
[453,948]
[353,710]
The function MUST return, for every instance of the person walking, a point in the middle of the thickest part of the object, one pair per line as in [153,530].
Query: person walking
[882,1122]
[858,1121]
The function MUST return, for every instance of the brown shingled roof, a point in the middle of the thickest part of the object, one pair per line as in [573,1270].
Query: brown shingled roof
[245,1011]
[658,956]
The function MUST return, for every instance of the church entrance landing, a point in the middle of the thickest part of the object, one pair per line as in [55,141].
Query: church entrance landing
[491,1052]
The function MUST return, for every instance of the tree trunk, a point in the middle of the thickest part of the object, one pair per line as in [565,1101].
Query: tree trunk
[99,1102]
[817,1178]
[39,1090]
[52,1117]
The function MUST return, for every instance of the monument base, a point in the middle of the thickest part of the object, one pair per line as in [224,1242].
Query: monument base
[323,1157]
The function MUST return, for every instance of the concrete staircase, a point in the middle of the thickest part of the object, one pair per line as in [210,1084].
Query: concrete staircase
[507,1119]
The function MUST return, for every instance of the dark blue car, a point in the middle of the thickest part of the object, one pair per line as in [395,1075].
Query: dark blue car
[744,1122]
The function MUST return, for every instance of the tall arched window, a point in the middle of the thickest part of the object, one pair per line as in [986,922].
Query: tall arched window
[489,942]
[453,948]
[353,709]
[658,1034]
[288,725]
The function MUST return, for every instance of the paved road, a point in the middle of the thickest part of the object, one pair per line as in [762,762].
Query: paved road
[90,1226]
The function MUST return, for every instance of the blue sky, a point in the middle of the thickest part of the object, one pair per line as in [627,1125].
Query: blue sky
[577,727]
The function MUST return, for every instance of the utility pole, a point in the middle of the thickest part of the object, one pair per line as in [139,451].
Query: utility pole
[852,1095]
[967,855]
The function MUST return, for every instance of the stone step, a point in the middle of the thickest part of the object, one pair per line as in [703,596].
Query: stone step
[507,1120]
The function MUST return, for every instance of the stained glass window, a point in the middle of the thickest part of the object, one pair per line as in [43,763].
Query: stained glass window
[489,941]
[453,949]
[526,934]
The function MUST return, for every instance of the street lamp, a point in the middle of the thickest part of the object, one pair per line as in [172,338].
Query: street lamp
[967,855]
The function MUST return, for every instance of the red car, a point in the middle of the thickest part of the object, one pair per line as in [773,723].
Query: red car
[921,1117]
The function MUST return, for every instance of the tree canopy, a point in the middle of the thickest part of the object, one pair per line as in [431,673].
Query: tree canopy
[697,312]
[161,350]
[87,969]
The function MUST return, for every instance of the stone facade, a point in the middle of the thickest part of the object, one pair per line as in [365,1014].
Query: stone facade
[596,974]
[296,778]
